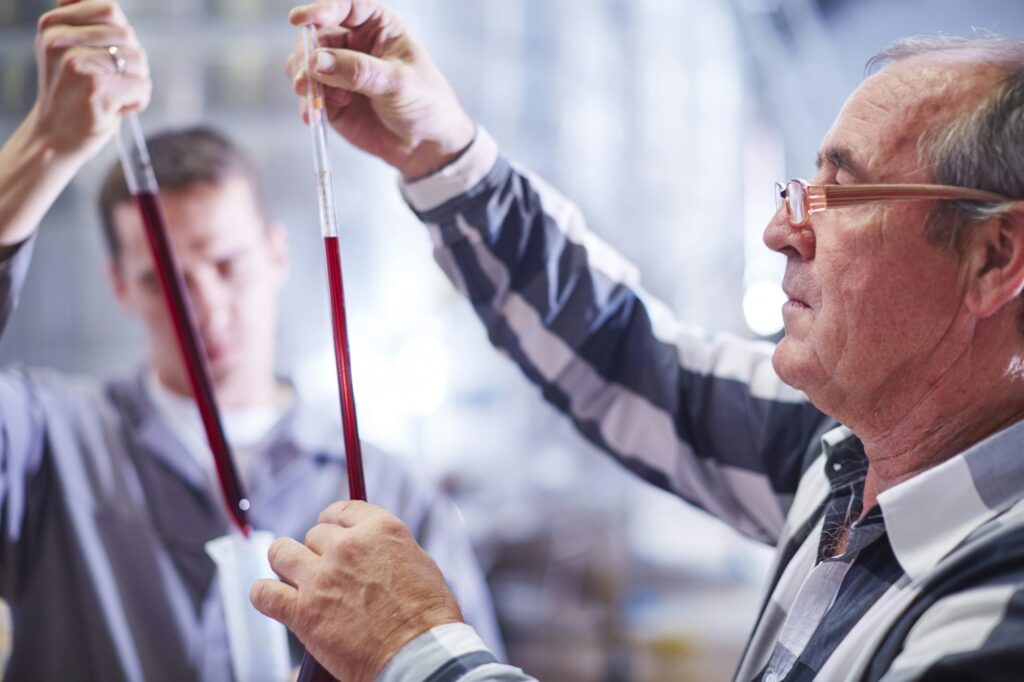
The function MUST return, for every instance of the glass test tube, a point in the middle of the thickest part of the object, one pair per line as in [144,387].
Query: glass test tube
[138,174]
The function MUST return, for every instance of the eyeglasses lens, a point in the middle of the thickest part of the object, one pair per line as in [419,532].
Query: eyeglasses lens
[795,200]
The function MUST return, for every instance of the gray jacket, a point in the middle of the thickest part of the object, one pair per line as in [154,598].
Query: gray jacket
[105,516]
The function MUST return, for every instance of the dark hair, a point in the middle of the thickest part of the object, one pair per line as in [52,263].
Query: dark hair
[181,159]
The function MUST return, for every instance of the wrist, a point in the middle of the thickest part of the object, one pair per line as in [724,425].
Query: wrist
[32,175]
[437,649]
[470,168]
[430,156]
[45,147]
[445,612]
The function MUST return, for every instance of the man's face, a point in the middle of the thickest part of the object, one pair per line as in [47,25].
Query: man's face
[233,267]
[875,311]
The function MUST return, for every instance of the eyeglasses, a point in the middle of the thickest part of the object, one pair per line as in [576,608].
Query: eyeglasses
[802,199]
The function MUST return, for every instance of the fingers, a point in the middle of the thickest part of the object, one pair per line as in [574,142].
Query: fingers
[62,36]
[130,93]
[333,513]
[333,13]
[291,560]
[293,64]
[135,62]
[351,513]
[337,99]
[333,97]
[82,85]
[97,60]
[353,71]
[323,536]
[67,42]
[356,72]
[83,13]
[275,600]
[337,38]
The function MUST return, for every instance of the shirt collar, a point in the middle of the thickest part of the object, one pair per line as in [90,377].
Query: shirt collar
[311,433]
[299,434]
[930,514]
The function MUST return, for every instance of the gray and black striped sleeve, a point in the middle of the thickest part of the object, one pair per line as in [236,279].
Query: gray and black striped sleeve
[974,634]
[448,653]
[706,418]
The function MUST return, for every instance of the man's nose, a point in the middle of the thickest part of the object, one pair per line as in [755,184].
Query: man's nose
[793,242]
[209,299]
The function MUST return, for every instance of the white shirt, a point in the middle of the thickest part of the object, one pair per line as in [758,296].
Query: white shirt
[246,429]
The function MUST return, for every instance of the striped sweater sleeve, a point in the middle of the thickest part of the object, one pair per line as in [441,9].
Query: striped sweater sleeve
[704,417]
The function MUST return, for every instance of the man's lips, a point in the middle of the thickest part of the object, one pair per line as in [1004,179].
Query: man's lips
[215,350]
[792,290]
[794,302]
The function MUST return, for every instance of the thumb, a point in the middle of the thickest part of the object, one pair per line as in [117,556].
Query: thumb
[274,599]
[354,71]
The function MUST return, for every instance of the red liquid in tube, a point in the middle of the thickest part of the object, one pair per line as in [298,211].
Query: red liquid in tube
[311,670]
[350,429]
[173,287]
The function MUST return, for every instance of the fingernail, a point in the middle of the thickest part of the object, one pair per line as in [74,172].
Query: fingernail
[325,62]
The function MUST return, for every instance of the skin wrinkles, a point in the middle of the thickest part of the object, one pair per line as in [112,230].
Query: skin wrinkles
[957,433]
[855,301]
[886,212]
[887,342]
[841,159]
[953,431]
[930,354]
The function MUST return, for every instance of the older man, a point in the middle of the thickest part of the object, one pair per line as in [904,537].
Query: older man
[878,447]
[107,492]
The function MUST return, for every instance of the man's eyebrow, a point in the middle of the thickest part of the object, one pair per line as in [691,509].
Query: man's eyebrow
[841,159]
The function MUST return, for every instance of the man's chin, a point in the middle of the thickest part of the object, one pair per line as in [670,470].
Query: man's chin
[222,370]
[787,363]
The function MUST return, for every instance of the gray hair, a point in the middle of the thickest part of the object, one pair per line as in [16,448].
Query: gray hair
[982,148]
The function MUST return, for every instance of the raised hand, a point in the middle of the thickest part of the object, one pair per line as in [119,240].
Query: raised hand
[91,70]
[83,86]
[383,93]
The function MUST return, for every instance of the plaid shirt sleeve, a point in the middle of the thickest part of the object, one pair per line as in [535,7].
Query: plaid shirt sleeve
[448,653]
[704,417]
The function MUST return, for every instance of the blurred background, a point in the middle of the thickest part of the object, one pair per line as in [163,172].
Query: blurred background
[666,120]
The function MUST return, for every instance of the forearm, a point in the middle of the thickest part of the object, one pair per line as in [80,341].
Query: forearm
[32,176]
[706,418]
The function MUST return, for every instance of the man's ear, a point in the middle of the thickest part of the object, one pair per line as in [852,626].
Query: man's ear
[995,261]
[117,283]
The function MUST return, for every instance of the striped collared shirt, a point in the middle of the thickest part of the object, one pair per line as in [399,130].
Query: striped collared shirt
[915,592]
